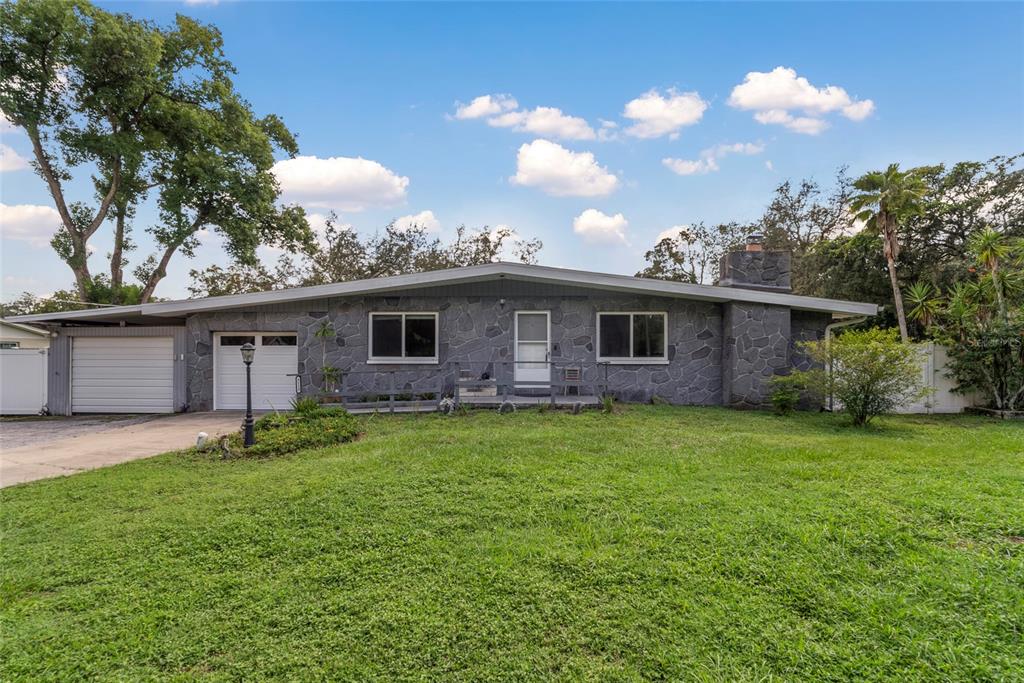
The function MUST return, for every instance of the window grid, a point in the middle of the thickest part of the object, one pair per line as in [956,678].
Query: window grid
[404,358]
[631,358]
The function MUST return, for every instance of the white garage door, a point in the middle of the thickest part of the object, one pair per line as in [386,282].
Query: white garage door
[122,375]
[277,357]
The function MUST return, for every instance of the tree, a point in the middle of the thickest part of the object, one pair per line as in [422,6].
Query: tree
[242,279]
[886,199]
[803,215]
[981,321]
[142,109]
[340,255]
[692,255]
[870,372]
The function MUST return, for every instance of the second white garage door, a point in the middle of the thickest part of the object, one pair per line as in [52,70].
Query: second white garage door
[122,375]
[277,357]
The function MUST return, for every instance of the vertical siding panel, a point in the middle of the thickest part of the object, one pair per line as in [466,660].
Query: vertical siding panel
[58,385]
[179,369]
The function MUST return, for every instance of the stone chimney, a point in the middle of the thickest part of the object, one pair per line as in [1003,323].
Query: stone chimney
[755,268]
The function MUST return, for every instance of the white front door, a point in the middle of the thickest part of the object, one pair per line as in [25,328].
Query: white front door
[533,347]
[274,365]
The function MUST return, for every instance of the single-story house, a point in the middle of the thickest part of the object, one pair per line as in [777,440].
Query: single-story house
[515,323]
[23,368]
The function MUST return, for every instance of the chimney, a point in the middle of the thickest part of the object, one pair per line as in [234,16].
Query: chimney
[755,268]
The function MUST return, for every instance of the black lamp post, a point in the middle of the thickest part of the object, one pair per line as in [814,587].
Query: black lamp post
[248,352]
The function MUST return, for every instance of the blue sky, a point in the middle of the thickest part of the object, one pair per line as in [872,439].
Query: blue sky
[689,83]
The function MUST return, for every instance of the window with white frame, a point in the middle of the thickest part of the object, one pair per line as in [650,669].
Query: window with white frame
[403,337]
[634,337]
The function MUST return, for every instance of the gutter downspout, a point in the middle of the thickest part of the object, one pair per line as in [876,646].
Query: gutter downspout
[845,322]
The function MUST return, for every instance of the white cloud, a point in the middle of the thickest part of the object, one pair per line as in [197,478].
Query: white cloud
[562,173]
[345,183]
[709,158]
[858,111]
[5,123]
[609,131]
[807,125]
[594,226]
[424,219]
[671,233]
[506,253]
[485,105]
[202,2]
[548,122]
[11,160]
[656,115]
[29,223]
[769,165]
[690,167]
[773,95]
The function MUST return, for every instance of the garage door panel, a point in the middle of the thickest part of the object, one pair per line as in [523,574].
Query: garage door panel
[122,375]
[272,388]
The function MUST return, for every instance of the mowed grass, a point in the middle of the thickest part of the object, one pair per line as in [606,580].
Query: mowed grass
[657,543]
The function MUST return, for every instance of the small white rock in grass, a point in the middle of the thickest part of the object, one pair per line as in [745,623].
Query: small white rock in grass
[201,440]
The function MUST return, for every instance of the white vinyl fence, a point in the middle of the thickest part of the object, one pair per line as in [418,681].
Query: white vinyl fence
[941,398]
[22,381]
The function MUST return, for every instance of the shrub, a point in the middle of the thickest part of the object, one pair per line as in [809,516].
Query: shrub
[990,360]
[608,404]
[785,393]
[870,372]
[279,434]
[305,405]
[273,421]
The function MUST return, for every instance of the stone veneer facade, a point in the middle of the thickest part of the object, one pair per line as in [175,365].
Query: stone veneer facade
[476,332]
[718,354]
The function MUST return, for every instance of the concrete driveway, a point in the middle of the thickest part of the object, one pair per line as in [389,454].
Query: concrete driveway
[52,447]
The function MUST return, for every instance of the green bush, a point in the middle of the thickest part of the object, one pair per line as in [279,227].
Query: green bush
[274,421]
[870,372]
[278,434]
[305,405]
[785,393]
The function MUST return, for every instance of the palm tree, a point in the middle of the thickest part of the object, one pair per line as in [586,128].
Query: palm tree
[925,304]
[990,247]
[886,198]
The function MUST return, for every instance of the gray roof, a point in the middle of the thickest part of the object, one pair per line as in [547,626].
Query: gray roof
[489,271]
[24,328]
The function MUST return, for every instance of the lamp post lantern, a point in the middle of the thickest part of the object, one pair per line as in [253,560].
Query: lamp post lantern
[248,352]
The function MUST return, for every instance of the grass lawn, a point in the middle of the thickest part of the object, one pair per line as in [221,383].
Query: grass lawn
[658,543]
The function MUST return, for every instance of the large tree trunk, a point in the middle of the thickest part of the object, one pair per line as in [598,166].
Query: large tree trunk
[79,237]
[158,274]
[898,300]
[117,256]
[892,250]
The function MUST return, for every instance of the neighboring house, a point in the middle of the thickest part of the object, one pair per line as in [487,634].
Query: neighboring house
[23,368]
[685,343]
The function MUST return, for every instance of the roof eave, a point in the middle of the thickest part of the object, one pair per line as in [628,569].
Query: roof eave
[513,271]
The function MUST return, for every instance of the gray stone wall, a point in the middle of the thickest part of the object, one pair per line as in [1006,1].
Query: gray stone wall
[766,270]
[755,348]
[805,326]
[476,332]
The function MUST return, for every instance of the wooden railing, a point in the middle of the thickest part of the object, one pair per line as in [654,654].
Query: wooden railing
[408,389]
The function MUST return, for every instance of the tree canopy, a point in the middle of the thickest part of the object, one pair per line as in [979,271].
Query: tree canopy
[145,111]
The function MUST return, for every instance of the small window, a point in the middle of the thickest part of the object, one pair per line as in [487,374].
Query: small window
[10,345]
[403,337]
[280,340]
[237,341]
[632,337]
